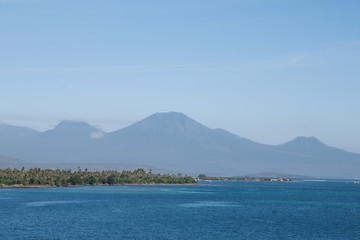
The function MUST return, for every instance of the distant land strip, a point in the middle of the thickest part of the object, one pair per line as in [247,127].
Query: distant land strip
[247,179]
[37,178]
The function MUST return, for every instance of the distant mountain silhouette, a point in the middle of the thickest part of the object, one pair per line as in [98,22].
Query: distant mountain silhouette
[68,142]
[10,133]
[6,162]
[304,145]
[176,142]
[68,130]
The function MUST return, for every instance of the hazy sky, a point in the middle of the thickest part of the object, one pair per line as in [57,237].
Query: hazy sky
[265,70]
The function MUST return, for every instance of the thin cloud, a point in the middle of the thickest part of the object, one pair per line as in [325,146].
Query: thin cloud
[304,59]
[280,63]
[97,135]
[262,64]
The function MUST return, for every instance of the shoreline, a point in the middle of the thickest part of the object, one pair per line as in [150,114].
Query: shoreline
[88,185]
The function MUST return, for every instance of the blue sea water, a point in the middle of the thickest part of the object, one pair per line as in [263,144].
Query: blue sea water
[218,210]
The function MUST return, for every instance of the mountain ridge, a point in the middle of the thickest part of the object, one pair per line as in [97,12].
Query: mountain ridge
[175,141]
[63,123]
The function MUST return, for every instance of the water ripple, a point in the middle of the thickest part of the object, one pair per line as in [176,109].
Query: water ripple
[47,203]
[209,204]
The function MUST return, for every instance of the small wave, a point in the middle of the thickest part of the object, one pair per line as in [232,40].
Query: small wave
[175,191]
[186,192]
[117,211]
[47,203]
[209,204]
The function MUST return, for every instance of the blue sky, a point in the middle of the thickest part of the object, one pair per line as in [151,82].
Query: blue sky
[265,70]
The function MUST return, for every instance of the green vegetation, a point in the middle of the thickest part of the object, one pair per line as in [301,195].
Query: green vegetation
[62,178]
[262,179]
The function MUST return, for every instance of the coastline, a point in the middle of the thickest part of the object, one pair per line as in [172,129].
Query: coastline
[88,185]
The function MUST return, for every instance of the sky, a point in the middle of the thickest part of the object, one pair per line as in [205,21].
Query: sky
[267,70]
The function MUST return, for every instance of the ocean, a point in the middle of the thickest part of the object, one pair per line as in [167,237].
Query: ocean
[216,210]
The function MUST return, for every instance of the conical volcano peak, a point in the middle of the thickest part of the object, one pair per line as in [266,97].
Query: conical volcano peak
[69,123]
[304,145]
[74,128]
[173,123]
[307,140]
[170,117]
[169,114]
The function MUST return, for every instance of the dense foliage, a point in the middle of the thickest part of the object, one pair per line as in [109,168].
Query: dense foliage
[59,178]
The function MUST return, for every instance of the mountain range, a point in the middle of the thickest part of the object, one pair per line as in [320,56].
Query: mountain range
[171,141]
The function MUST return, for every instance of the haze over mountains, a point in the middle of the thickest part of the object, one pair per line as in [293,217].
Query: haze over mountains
[175,142]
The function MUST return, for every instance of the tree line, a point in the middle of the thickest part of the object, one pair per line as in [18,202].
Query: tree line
[63,178]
